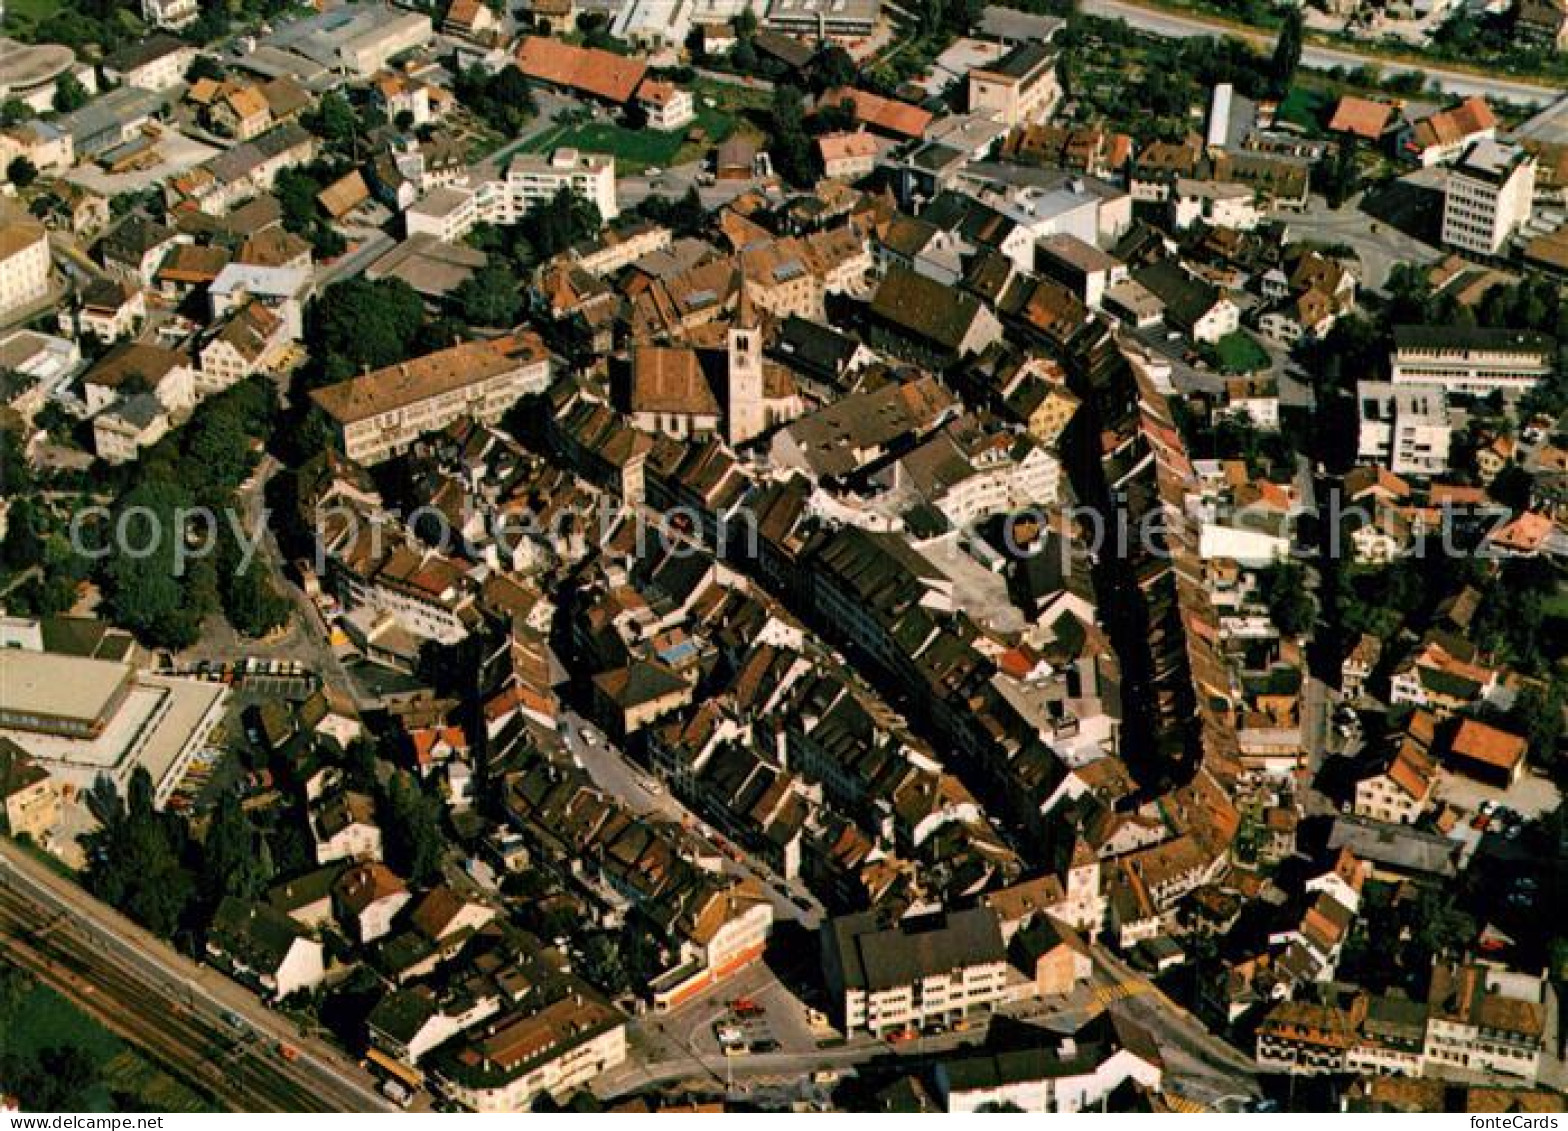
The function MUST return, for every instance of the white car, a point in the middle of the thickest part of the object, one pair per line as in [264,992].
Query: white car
[587,736]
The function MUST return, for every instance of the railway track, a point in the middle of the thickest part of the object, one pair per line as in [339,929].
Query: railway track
[233,1067]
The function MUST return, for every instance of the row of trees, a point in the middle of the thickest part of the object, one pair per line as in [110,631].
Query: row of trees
[153,585]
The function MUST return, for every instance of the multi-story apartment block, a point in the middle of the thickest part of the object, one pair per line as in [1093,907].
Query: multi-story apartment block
[525,1054]
[1304,1038]
[380,414]
[1405,427]
[1484,1019]
[450,212]
[1471,361]
[1018,88]
[24,264]
[1488,197]
[921,972]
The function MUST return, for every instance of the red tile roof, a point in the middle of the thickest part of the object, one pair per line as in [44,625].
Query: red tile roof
[1360,116]
[603,74]
[1488,745]
[880,113]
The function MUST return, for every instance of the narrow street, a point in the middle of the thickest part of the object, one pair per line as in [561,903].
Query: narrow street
[640,791]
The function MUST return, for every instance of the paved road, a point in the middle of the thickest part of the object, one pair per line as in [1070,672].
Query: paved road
[1198,1064]
[1377,245]
[304,638]
[630,784]
[148,988]
[1459,84]
[351,263]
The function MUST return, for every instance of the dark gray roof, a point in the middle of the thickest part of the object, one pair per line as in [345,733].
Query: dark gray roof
[1022,61]
[816,350]
[253,934]
[876,958]
[1186,297]
[1471,338]
[144,51]
[134,238]
[924,308]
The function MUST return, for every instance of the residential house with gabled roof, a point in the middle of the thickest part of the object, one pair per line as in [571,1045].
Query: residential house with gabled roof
[343,826]
[263,947]
[1487,753]
[1398,786]
[1444,135]
[367,897]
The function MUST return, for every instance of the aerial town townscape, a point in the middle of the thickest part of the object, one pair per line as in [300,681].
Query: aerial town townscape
[784,555]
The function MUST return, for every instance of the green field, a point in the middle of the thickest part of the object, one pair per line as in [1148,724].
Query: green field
[636,150]
[38,1018]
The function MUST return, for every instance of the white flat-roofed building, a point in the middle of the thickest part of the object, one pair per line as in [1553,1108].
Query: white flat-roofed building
[282,290]
[1407,428]
[353,39]
[1488,197]
[47,362]
[1471,361]
[82,719]
[824,19]
[452,211]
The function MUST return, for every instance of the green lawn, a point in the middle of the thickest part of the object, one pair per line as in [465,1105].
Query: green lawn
[42,1019]
[28,14]
[636,150]
[1238,353]
[1306,108]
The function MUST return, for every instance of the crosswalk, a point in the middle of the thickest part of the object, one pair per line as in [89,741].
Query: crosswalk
[1119,991]
[1183,1105]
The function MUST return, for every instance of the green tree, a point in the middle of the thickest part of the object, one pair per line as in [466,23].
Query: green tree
[369,324]
[1537,713]
[334,120]
[234,857]
[415,843]
[296,192]
[13,112]
[791,148]
[1344,173]
[135,856]
[489,297]
[1291,607]
[149,590]
[21,172]
[23,547]
[70,94]
[1287,53]
[833,67]
[54,1078]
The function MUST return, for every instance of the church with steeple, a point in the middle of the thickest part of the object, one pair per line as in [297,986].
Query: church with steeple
[711,384]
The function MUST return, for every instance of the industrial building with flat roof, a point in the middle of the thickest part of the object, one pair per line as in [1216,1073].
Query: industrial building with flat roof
[83,719]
